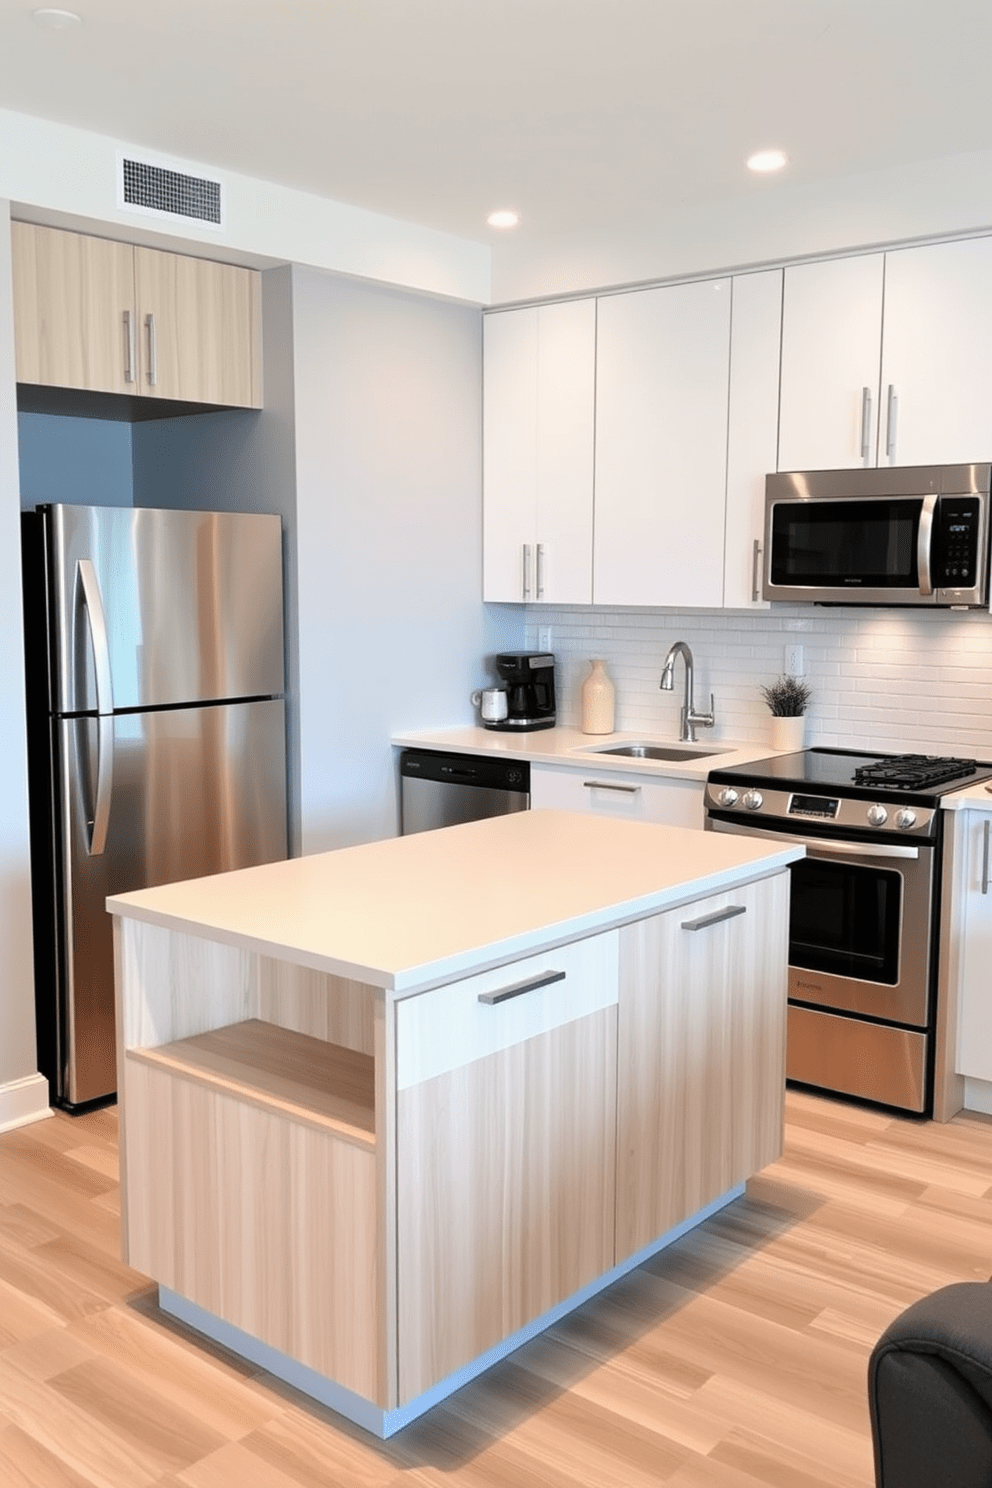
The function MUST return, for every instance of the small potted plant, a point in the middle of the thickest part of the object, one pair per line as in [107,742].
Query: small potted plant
[787,697]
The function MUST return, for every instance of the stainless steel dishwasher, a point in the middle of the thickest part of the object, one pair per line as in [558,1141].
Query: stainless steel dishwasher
[441,790]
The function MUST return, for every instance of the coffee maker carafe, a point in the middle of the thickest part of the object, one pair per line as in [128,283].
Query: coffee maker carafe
[529,677]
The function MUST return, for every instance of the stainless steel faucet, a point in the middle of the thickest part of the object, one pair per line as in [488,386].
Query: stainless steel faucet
[689,717]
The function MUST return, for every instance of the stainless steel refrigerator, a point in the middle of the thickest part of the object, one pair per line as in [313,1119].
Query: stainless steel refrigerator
[156,738]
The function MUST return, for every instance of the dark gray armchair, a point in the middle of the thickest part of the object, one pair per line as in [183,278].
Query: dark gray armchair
[930,1392]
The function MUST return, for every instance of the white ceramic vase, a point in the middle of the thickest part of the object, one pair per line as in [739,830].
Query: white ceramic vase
[598,700]
[789,733]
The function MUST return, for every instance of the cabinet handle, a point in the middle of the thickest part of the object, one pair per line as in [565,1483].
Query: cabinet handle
[128,346]
[526,583]
[756,569]
[890,422]
[716,918]
[517,989]
[152,350]
[540,571]
[985,858]
[866,423]
[627,790]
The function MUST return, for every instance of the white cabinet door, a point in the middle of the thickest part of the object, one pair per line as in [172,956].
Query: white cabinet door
[752,441]
[831,347]
[938,328]
[538,422]
[662,358]
[971,899]
[610,792]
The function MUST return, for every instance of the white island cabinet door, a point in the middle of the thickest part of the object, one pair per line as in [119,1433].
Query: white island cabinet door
[662,359]
[752,449]
[938,329]
[831,346]
[971,931]
[538,422]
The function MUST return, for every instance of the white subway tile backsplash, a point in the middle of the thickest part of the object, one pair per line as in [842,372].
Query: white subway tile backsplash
[886,679]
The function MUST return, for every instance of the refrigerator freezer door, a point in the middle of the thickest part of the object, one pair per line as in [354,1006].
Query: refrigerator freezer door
[191,601]
[194,791]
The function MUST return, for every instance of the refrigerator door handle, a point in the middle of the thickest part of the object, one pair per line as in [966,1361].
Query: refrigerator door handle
[93,602]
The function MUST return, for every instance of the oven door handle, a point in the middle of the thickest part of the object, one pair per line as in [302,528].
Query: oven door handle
[824,846]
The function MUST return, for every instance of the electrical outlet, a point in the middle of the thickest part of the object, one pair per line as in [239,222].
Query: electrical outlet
[795,661]
[544,638]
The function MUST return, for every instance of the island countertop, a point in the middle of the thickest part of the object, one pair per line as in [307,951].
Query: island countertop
[411,912]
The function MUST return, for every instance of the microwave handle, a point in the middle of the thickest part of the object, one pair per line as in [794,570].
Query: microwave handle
[924,543]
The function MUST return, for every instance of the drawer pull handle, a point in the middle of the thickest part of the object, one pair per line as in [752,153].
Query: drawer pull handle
[716,918]
[627,790]
[985,858]
[519,988]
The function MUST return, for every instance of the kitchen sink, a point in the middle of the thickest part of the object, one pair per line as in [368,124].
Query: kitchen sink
[658,751]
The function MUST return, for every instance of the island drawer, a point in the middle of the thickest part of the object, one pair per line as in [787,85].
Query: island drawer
[453,1025]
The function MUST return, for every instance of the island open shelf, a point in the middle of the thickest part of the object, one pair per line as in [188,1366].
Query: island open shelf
[389,1111]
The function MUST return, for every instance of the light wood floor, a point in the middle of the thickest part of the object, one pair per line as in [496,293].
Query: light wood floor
[735,1358]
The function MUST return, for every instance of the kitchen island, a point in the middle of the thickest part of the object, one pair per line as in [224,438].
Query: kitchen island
[386,1112]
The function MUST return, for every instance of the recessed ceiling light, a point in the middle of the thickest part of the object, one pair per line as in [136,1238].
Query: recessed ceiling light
[503,218]
[767,160]
[57,20]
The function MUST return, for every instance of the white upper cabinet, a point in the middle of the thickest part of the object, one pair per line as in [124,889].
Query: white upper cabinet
[661,445]
[755,345]
[831,341]
[938,328]
[538,423]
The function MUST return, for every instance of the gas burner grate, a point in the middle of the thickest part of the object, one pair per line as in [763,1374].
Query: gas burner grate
[914,772]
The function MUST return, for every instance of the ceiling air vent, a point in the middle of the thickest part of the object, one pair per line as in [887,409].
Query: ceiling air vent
[156,189]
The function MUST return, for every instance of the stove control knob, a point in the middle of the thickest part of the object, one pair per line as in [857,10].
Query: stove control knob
[905,819]
[728,796]
[753,800]
[877,816]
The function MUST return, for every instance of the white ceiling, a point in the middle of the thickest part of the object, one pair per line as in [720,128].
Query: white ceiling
[579,113]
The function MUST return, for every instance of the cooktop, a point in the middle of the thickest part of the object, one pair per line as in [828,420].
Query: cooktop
[859,773]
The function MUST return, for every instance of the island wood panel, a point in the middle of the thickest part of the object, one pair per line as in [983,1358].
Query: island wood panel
[71,292]
[319,1003]
[505,1193]
[260,1219]
[385,1240]
[207,338]
[701,1048]
[291,1074]
[172,986]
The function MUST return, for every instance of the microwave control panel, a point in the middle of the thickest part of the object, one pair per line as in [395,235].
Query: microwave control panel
[957,542]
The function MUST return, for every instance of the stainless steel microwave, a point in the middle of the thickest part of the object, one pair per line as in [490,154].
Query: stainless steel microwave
[902,535]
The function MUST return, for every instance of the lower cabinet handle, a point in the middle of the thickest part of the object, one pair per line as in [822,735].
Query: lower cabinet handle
[627,790]
[985,858]
[716,918]
[517,989]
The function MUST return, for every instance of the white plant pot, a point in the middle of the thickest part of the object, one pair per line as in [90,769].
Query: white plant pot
[789,733]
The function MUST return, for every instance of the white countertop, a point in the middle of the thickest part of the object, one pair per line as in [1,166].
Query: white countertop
[410,912]
[569,746]
[969,796]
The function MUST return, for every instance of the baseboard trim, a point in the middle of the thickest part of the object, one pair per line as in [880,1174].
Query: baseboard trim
[23,1101]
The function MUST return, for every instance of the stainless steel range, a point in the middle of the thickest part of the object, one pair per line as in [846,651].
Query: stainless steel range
[864,908]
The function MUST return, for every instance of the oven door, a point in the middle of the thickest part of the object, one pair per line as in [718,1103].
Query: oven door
[859,924]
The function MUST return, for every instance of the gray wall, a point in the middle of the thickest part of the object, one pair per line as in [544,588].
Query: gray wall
[393,633]
[17,1040]
[84,461]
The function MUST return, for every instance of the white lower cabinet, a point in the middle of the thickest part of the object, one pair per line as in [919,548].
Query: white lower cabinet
[969,942]
[604,791]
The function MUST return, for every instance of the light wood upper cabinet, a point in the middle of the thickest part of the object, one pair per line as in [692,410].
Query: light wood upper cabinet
[831,341]
[103,316]
[538,418]
[661,445]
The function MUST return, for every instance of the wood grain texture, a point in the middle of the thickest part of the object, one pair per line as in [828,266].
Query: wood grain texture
[315,1002]
[702,1057]
[207,343]
[735,1358]
[70,294]
[505,1183]
[262,1220]
[175,985]
[290,1074]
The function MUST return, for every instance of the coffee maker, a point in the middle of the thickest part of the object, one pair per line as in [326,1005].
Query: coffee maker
[529,678]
